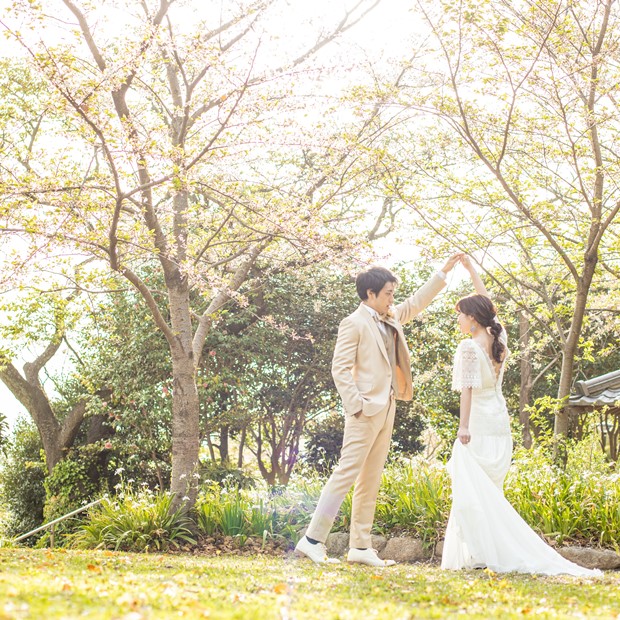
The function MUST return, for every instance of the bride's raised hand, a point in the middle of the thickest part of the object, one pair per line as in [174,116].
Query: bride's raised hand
[473,274]
[466,262]
[453,260]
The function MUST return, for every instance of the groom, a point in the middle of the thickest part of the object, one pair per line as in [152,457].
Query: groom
[371,369]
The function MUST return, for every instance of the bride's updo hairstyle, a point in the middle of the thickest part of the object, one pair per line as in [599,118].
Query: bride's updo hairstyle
[483,310]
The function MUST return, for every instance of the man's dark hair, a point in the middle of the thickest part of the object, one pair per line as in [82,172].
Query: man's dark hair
[374,278]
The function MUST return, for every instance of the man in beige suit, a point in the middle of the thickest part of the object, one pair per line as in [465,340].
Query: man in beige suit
[371,369]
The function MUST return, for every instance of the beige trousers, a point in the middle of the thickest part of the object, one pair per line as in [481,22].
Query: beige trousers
[365,448]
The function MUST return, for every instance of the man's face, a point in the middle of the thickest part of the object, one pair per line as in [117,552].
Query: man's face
[382,302]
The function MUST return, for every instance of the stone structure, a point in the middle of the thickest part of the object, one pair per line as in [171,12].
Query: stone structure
[602,395]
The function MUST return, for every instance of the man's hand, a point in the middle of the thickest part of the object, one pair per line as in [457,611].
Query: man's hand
[453,260]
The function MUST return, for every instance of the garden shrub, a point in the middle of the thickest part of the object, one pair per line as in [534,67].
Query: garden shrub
[579,503]
[22,473]
[135,520]
[324,437]
[324,441]
[226,475]
[67,488]
[415,499]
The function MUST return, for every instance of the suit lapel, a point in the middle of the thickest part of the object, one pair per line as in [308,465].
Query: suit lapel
[366,316]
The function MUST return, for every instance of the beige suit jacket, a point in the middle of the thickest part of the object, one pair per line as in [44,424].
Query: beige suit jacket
[360,366]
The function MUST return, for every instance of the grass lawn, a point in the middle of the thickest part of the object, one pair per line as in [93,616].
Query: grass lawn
[45,585]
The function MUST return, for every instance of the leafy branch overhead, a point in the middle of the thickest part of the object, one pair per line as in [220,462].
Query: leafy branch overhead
[195,124]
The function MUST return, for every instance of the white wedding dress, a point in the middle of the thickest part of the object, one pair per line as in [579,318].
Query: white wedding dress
[484,530]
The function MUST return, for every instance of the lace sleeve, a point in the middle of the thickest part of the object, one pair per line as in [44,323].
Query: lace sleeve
[467,372]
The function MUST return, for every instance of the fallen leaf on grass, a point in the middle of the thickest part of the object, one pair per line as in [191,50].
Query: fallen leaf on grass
[94,568]
[130,600]
[280,588]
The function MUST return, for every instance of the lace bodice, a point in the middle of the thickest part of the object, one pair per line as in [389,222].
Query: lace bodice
[473,367]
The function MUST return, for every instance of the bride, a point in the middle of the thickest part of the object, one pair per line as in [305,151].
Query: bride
[484,530]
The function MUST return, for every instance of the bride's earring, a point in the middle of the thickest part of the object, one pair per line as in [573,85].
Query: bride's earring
[472,329]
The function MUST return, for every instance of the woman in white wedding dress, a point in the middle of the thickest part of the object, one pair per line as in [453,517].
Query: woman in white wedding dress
[484,530]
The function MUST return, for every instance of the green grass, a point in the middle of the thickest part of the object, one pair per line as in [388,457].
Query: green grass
[46,584]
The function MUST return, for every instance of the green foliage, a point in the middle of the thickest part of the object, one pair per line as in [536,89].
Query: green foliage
[220,512]
[233,518]
[414,498]
[135,520]
[226,476]
[324,437]
[409,424]
[126,361]
[4,433]
[324,441]
[579,502]
[67,488]
[261,513]
[21,481]
[269,366]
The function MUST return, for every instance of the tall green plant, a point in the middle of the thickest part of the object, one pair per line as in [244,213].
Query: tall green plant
[135,520]
[415,498]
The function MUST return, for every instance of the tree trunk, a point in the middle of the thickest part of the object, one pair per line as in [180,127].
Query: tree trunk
[185,405]
[224,444]
[561,426]
[185,441]
[55,437]
[525,391]
[241,447]
[211,448]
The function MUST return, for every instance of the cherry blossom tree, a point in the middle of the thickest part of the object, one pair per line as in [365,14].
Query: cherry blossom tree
[506,149]
[189,138]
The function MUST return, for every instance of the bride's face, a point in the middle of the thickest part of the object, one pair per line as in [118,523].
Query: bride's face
[465,322]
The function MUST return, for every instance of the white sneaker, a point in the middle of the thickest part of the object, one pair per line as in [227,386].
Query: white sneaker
[317,553]
[368,557]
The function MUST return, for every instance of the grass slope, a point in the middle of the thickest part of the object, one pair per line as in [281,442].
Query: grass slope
[42,584]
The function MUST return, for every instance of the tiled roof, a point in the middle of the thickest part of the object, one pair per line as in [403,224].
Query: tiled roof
[603,390]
